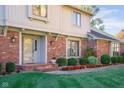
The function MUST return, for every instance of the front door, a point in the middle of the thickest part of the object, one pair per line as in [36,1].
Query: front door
[31,49]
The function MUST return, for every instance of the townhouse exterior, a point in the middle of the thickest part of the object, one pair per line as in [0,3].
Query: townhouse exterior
[120,35]
[38,33]
[104,43]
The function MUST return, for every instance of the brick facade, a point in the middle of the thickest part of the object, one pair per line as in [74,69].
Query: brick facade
[9,51]
[56,47]
[121,48]
[84,45]
[102,47]
[92,44]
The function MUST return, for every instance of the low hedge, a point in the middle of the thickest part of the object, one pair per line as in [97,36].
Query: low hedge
[123,58]
[72,61]
[119,59]
[92,60]
[61,61]
[114,59]
[105,59]
[83,60]
[1,67]
[10,67]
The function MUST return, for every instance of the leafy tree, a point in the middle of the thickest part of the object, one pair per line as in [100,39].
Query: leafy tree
[120,35]
[97,22]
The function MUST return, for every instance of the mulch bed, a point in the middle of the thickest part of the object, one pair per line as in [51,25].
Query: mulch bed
[84,66]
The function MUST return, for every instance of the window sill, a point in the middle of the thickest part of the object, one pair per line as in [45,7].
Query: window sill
[43,19]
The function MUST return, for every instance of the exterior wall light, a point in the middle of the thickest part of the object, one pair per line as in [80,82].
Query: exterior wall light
[13,39]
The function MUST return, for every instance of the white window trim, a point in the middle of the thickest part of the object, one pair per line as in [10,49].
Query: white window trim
[39,18]
[76,39]
[111,50]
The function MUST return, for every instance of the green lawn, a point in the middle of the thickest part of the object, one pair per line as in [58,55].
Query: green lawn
[102,78]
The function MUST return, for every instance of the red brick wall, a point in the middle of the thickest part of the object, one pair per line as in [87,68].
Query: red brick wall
[9,51]
[103,47]
[56,47]
[92,44]
[84,44]
[121,48]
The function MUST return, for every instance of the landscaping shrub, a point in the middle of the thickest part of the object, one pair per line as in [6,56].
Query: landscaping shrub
[61,61]
[1,67]
[92,60]
[83,61]
[114,59]
[89,52]
[123,58]
[119,59]
[72,61]
[10,67]
[105,59]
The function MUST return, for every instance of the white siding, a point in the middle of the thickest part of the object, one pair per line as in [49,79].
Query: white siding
[2,14]
[59,20]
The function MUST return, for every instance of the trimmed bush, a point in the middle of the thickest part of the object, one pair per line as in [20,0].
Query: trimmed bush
[92,60]
[105,59]
[10,67]
[61,61]
[72,61]
[1,67]
[123,58]
[119,59]
[83,61]
[114,59]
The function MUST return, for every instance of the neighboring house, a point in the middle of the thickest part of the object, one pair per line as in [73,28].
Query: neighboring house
[120,35]
[122,46]
[36,34]
[103,43]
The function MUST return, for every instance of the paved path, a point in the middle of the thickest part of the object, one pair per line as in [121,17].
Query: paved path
[85,70]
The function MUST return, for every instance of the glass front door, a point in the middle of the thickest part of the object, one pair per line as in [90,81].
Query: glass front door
[31,49]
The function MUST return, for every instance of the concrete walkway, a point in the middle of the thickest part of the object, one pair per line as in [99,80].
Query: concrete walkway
[85,70]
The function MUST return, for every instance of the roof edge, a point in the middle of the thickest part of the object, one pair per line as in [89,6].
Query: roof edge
[105,33]
[77,8]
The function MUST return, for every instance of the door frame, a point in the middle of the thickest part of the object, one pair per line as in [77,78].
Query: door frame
[21,45]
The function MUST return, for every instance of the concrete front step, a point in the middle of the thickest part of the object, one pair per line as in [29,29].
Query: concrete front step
[37,67]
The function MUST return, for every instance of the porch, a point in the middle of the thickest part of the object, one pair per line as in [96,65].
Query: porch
[37,67]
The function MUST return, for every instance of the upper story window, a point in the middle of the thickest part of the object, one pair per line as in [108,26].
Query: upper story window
[115,48]
[39,10]
[77,19]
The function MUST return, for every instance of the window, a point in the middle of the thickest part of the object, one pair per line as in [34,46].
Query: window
[115,48]
[39,10]
[73,48]
[77,19]
[35,47]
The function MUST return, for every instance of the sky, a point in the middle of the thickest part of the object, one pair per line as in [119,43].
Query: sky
[113,17]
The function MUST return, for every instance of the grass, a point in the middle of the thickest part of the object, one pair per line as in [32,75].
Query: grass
[108,78]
